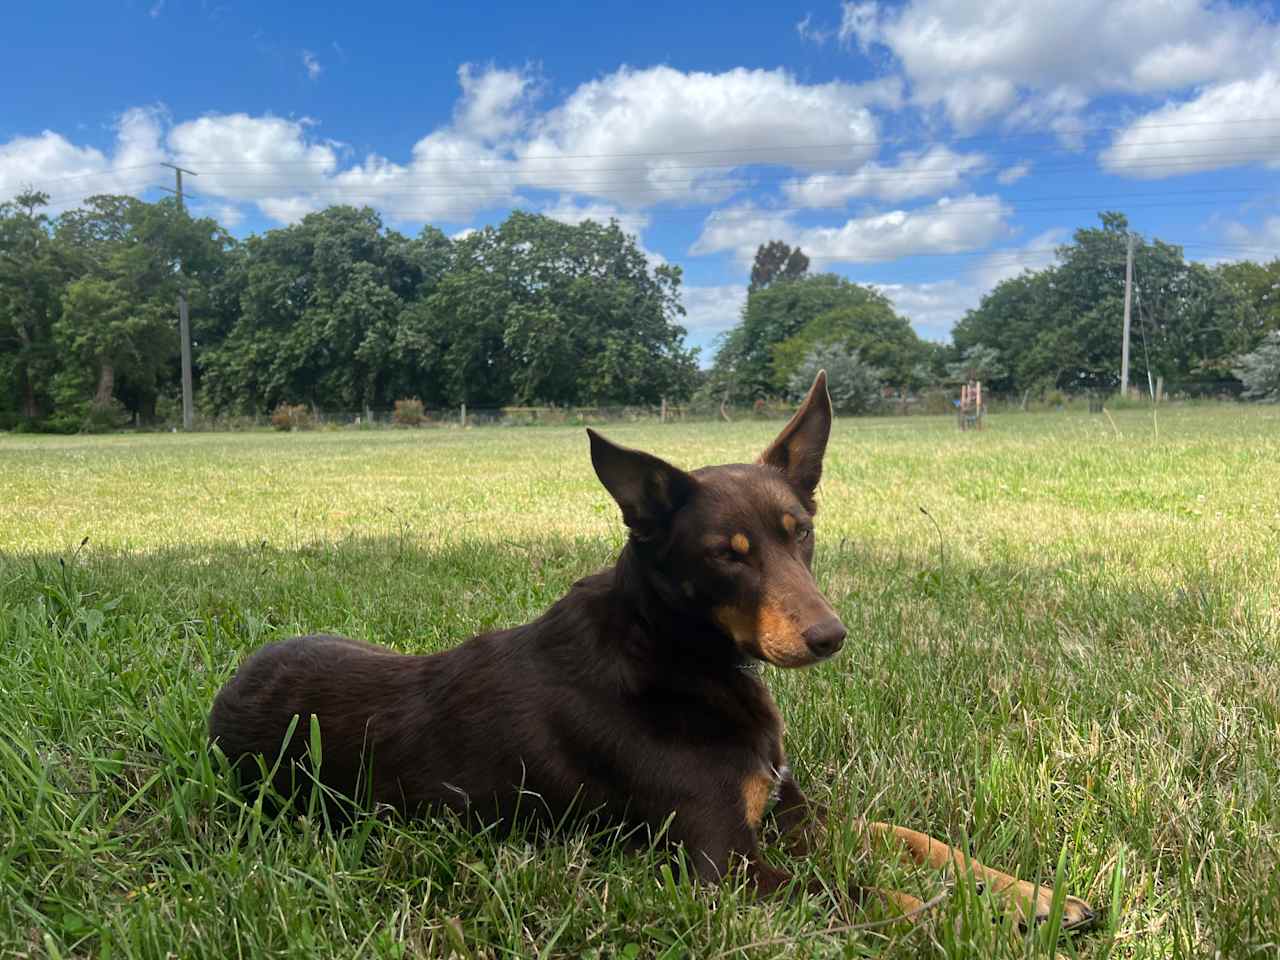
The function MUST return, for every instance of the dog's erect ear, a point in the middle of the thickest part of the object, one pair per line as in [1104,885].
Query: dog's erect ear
[799,448]
[647,489]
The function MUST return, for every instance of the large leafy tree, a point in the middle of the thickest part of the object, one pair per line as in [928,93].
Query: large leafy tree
[543,311]
[1255,302]
[1060,327]
[865,324]
[756,359]
[32,275]
[316,309]
[117,326]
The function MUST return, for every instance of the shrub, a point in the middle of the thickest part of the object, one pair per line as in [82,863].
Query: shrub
[854,386]
[408,413]
[1260,371]
[978,363]
[291,417]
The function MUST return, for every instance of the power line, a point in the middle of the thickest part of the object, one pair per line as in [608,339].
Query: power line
[420,174]
[735,161]
[736,151]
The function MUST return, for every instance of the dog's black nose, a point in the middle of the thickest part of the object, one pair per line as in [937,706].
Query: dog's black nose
[825,637]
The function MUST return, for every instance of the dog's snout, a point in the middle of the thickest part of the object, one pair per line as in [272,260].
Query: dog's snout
[825,637]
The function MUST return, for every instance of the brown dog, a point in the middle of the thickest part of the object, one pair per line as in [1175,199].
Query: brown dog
[629,696]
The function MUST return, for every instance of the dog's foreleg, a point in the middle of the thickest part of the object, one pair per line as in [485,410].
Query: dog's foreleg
[796,817]
[1029,901]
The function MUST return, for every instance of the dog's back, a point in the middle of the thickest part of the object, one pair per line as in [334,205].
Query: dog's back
[466,728]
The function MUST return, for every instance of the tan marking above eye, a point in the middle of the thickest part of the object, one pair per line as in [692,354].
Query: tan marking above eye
[740,544]
[789,523]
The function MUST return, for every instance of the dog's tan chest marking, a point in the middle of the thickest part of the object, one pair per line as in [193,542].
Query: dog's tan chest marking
[759,789]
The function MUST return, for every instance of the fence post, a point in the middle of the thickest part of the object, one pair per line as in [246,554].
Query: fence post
[463,421]
[662,417]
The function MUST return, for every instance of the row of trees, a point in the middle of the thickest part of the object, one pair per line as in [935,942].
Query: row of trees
[1057,328]
[336,311]
[339,312]
[1052,329]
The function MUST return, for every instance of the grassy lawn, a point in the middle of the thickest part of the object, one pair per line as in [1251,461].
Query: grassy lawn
[1071,663]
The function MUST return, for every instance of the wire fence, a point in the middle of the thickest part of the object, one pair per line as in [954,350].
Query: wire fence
[938,402]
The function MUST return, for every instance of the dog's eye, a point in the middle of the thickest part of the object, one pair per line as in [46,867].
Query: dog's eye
[802,534]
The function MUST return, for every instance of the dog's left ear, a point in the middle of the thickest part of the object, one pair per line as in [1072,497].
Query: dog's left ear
[647,489]
[799,448]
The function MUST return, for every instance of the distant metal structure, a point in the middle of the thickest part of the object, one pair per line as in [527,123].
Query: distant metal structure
[1128,298]
[971,410]
[184,323]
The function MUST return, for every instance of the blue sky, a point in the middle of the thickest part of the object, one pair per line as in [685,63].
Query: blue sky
[931,148]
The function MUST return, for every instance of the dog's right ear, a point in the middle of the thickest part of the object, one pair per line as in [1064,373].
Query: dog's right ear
[647,489]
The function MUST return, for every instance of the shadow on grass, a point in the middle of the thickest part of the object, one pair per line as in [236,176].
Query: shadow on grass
[965,702]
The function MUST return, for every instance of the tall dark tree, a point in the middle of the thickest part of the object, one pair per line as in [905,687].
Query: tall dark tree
[319,310]
[1060,327]
[117,325]
[782,323]
[776,261]
[32,275]
[549,312]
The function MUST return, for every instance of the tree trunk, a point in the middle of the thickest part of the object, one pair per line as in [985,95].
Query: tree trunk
[106,385]
[29,408]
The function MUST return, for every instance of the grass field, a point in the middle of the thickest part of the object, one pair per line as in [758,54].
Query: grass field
[1071,663]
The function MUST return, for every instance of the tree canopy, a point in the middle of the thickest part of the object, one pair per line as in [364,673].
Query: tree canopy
[340,312]
[1059,327]
[783,323]
[336,311]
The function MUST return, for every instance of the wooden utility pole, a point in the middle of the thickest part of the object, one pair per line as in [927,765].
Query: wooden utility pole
[184,322]
[1128,299]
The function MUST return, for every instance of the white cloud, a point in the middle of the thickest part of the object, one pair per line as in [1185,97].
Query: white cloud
[278,164]
[1263,240]
[227,215]
[69,173]
[810,33]
[630,139]
[933,307]
[916,174]
[950,225]
[493,101]
[641,137]
[1039,252]
[268,160]
[289,209]
[976,59]
[1224,125]
[312,65]
[1011,175]
[710,311]
[568,210]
